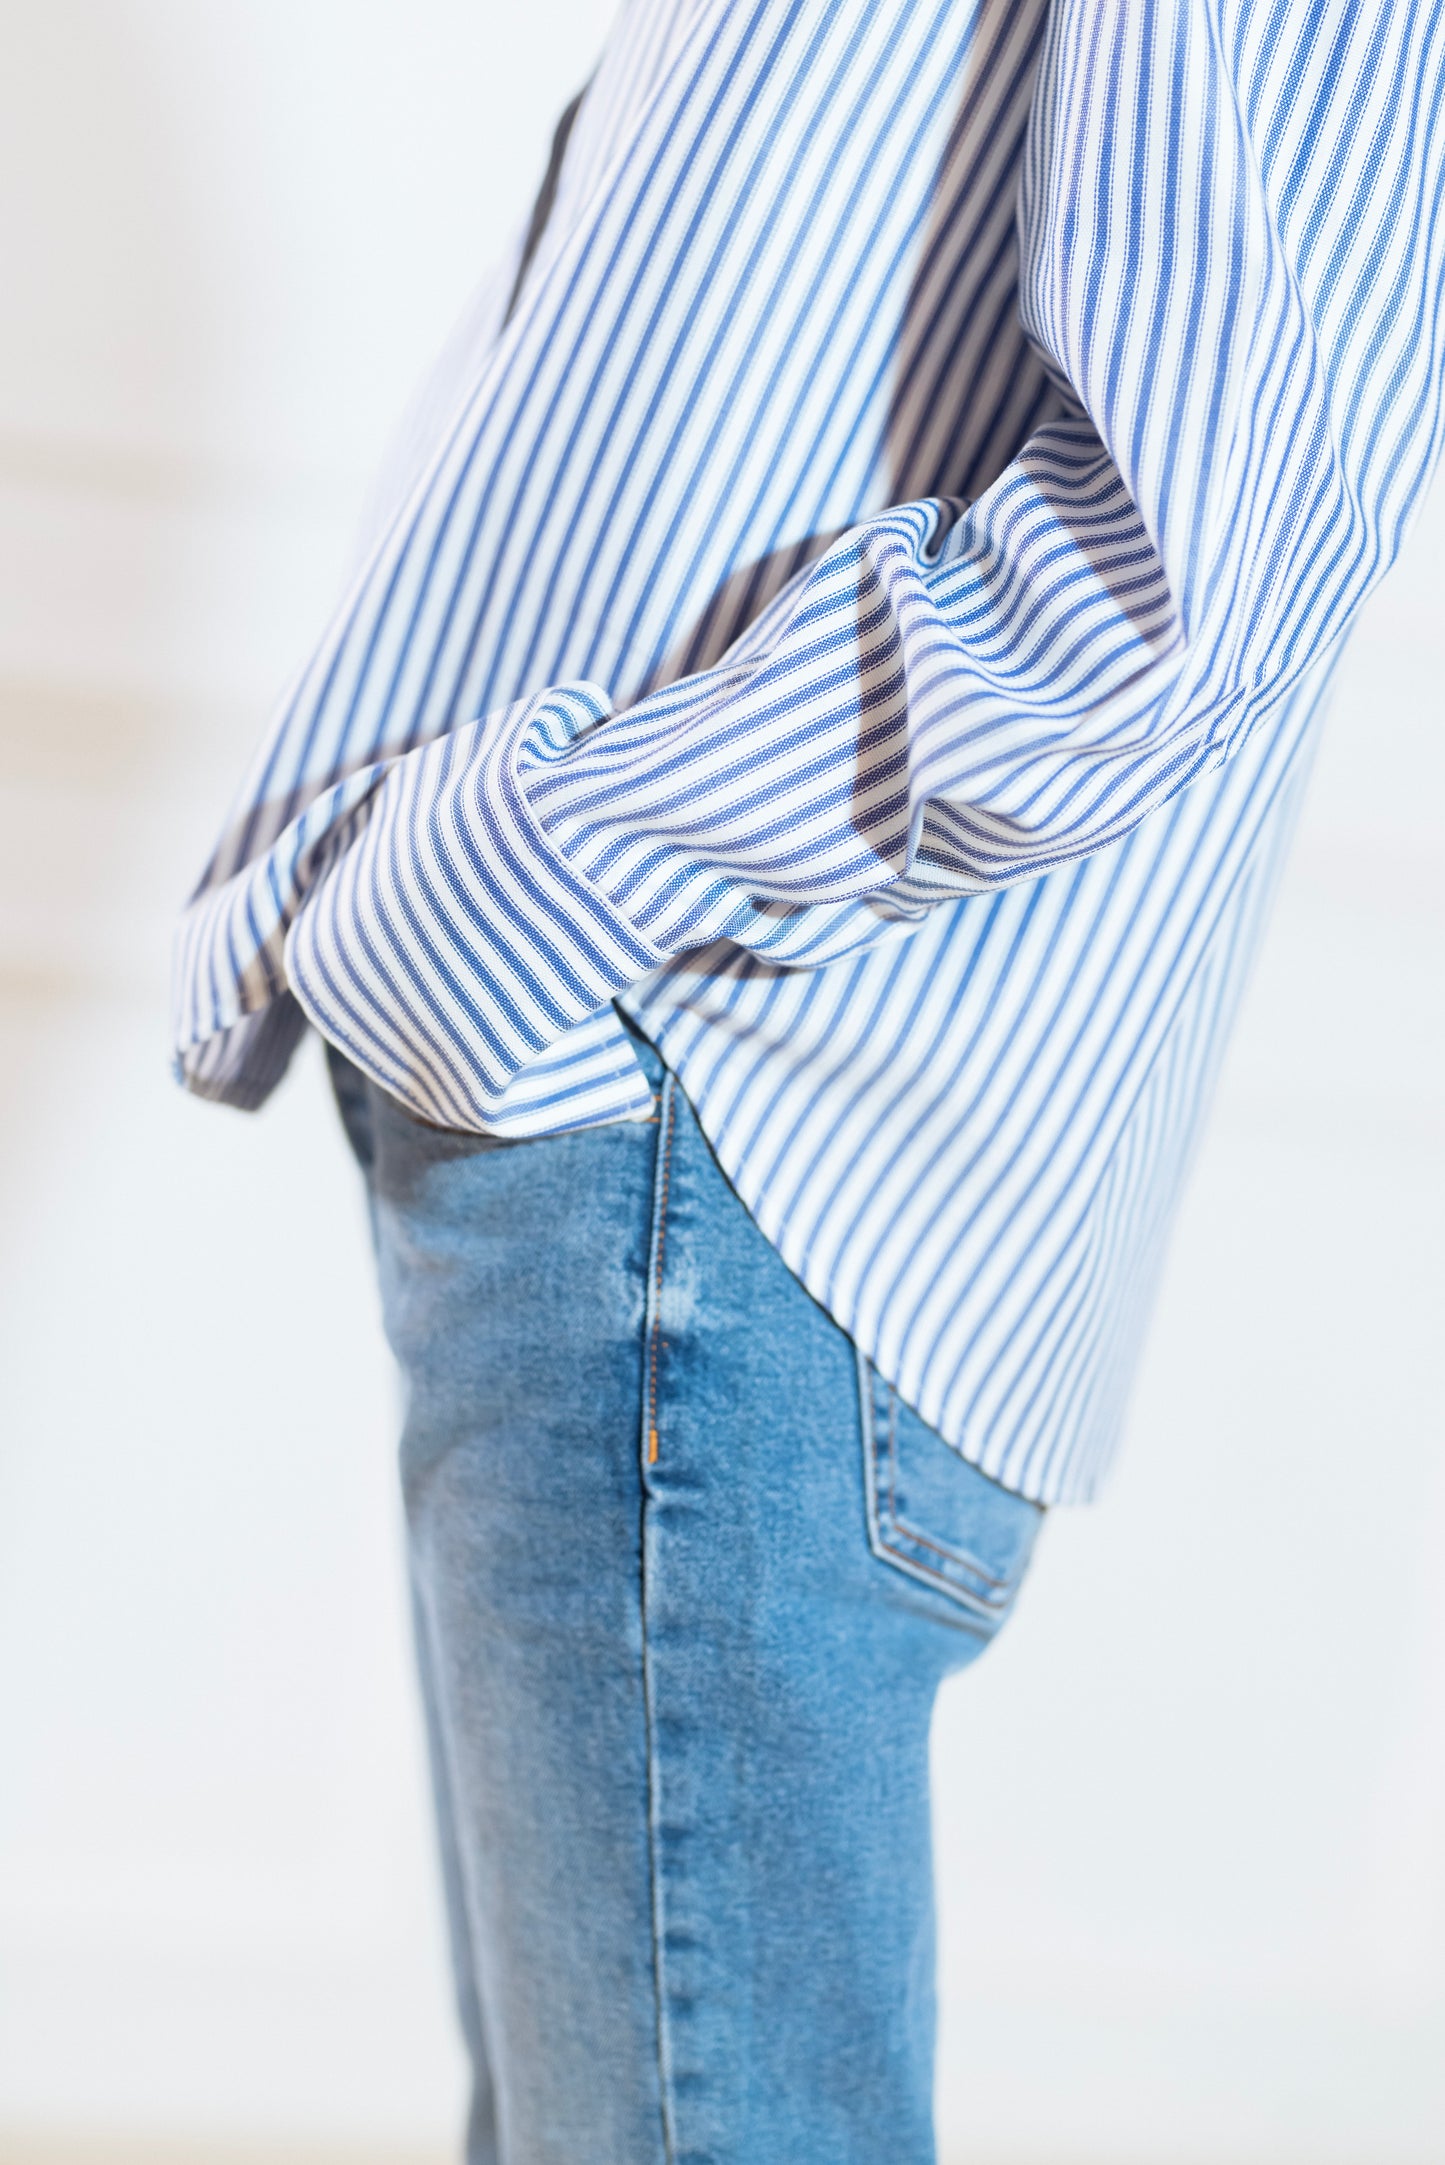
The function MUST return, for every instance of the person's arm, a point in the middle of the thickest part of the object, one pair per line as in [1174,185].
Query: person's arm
[1234,260]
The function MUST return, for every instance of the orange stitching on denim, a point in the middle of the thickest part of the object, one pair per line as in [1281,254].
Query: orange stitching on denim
[652,1440]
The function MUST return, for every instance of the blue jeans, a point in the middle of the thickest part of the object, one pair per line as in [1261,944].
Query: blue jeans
[687,1578]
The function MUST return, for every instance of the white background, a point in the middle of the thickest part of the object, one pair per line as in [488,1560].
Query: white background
[1192,1808]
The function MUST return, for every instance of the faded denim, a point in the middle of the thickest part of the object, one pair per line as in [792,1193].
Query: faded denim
[687,1578]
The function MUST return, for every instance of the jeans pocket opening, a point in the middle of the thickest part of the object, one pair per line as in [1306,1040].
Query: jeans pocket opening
[934,1515]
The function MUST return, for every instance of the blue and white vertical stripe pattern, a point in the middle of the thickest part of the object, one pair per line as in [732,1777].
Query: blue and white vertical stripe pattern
[865,610]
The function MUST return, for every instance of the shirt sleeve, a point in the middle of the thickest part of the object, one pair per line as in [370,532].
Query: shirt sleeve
[1233,263]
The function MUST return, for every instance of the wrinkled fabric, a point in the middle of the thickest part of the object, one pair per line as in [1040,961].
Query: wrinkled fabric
[881,573]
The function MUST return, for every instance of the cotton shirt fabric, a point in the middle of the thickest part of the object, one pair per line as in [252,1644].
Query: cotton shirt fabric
[865,609]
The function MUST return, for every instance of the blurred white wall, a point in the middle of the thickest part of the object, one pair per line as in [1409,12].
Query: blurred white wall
[1192,1808]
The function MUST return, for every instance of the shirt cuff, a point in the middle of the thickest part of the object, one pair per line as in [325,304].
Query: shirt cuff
[451,947]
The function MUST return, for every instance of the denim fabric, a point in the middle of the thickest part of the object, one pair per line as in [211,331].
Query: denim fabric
[687,1578]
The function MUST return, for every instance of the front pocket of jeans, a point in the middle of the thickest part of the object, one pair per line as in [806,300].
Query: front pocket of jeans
[934,1516]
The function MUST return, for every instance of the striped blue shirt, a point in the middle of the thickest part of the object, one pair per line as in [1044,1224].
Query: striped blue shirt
[861,600]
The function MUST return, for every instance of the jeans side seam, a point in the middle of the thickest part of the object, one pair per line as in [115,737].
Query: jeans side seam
[656,1262]
[648,1452]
